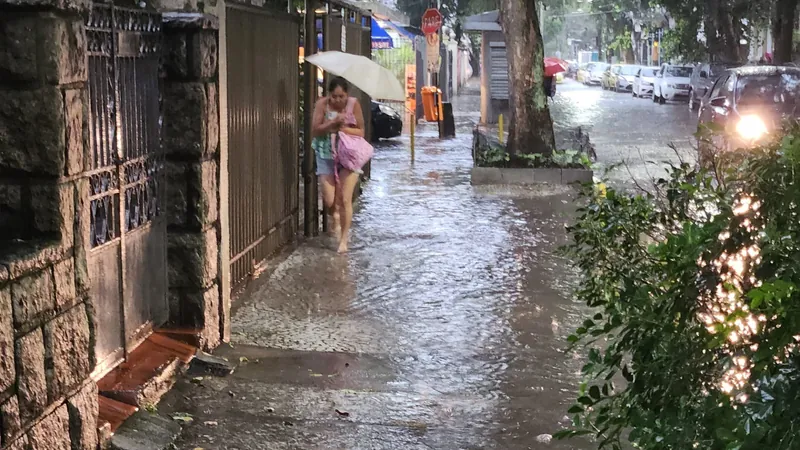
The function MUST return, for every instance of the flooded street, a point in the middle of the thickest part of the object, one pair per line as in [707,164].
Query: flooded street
[445,325]
[633,131]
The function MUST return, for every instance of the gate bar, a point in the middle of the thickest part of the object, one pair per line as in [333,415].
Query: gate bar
[311,198]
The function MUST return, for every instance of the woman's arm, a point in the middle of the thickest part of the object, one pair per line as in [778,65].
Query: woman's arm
[320,126]
[358,130]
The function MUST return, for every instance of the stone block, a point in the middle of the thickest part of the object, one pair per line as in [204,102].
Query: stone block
[67,351]
[193,259]
[62,46]
[18,47]
[33,257]
[185,107]
[83,410]
[75,112]
[12,215]
[547,176]
[486,175]
[32,131]
[81,232]
[569,176]
[32,296]
[78,6]
[518,176]
[204,198]
[19,444]
[31,380]
[53,209]
[7,372]
[176,55]
[205,54]
[64,281]
[177,200]
[9,419]
[212,119]
[198,309]
[52,433]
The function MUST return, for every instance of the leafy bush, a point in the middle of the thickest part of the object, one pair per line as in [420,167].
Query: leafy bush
[696,308]
[496,156]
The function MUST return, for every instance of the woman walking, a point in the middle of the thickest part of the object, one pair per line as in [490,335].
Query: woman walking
[338,112]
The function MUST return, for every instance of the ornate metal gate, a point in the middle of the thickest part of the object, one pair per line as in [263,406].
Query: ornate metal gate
[127,258]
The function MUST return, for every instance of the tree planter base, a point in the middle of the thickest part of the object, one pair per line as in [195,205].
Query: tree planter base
[523,177]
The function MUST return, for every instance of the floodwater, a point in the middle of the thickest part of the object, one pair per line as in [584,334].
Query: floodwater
[443,328]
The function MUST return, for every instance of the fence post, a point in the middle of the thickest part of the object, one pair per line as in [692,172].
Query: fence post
[311,199]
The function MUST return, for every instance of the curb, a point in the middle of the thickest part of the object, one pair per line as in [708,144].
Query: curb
[524,177]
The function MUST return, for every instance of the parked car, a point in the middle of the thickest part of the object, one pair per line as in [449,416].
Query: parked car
[624,79]
[748,104]
[610,76]
[583,73]
[386,121]
[672,82]
[703,78]
[643,82]
[572,69]
[596,74]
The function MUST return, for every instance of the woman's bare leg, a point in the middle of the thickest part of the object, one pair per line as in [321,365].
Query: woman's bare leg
[347,184]
[328,187]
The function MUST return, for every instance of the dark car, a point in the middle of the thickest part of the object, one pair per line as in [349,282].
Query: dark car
[386,121]
[747,104]
[703,78]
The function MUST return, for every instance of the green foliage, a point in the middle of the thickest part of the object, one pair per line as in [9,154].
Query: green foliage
[497,156]
[396,59]
[694,292]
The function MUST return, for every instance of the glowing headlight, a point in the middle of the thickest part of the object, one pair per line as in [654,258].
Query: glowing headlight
[751,127]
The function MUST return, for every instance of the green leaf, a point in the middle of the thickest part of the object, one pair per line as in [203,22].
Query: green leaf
[575,409]
[594,392]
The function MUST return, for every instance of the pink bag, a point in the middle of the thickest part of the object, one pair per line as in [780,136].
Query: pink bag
[353,152]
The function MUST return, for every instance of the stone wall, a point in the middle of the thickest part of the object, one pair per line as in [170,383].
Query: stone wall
[191,142]
[46,329]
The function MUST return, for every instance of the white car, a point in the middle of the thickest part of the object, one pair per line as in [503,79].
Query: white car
[672,82]
[596,75]
[643,82]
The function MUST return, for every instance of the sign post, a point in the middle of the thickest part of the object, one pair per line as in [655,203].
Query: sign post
[431,24]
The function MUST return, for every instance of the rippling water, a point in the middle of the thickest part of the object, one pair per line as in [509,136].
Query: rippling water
[454,288]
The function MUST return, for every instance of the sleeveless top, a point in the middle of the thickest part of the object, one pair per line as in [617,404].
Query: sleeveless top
[322,144]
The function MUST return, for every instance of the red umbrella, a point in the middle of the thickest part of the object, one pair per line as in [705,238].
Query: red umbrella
[552,66]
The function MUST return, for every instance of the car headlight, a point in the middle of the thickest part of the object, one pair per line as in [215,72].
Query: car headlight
[387,110]
[751,127]
[670,86]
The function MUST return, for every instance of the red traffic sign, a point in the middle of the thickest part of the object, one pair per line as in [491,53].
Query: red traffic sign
[431,21]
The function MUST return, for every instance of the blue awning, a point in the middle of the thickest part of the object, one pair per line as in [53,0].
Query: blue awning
[380,38]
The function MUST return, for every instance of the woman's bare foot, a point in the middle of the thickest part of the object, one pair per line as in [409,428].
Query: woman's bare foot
[343,246]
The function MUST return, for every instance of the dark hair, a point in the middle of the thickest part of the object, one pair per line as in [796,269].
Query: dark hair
[338,82]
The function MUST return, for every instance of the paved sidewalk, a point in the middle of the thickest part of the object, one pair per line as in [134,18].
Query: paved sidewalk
[442,329]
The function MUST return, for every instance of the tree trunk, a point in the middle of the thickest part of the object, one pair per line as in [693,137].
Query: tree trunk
[783,30]
[531,128]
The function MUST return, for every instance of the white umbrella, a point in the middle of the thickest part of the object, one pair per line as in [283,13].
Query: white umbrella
[363,73]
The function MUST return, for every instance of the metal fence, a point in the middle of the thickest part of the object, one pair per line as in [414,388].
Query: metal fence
[263,120]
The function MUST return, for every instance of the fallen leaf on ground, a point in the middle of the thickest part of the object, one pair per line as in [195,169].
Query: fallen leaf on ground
[210,423]
[342,413]
[182,417]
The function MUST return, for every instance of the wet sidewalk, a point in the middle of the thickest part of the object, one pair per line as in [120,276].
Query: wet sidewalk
[443,328]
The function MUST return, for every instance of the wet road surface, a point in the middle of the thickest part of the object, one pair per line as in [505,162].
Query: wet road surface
[634,131]
[443,328]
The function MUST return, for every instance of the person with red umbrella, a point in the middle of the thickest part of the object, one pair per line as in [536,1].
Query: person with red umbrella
[552,66]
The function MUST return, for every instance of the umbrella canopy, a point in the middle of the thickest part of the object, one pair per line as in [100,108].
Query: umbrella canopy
[363,73]
[552,66]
